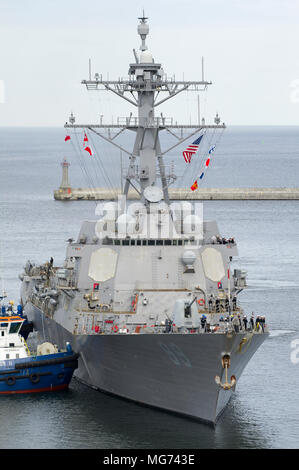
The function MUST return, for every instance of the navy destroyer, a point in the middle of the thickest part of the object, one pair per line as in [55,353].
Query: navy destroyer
[146,294]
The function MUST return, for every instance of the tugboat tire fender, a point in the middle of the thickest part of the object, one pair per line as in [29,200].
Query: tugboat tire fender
[11,380]
[58,360]
[35,378]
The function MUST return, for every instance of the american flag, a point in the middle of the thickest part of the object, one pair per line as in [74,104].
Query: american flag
[191,149]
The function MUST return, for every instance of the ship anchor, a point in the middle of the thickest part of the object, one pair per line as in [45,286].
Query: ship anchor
[225,364]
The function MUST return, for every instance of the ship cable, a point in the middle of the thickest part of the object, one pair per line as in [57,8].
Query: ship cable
[100,164]
[199,165]
[94,170]
[194,161]
[215,143]
[81,161]
[197,161]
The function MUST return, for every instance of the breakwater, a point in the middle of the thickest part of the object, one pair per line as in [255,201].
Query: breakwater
[98,194]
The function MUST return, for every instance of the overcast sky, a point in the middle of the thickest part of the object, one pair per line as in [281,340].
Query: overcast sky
[251,50]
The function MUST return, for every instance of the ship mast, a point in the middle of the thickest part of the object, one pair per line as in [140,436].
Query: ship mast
[144,85]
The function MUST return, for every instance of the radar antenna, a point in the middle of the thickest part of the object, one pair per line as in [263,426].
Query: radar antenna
[146,82]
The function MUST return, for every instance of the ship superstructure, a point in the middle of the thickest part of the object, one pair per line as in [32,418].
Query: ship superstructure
[146,293]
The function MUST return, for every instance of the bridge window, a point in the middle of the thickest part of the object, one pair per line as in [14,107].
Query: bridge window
[14,327]
[151,242]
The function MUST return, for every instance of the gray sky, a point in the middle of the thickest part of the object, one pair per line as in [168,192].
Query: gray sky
[250,49]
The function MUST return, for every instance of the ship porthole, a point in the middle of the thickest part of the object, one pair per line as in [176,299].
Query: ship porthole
[10,380]
[35,378]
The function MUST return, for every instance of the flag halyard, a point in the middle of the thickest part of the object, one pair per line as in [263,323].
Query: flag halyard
[207,163]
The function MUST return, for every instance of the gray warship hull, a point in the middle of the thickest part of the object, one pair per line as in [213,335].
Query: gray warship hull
[175,373]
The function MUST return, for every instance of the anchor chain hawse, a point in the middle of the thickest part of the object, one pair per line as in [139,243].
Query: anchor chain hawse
[226,364]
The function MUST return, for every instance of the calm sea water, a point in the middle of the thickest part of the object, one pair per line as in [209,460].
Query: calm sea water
[264,412]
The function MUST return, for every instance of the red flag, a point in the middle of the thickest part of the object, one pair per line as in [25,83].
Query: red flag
[85,137]
[88,149]
[194,186]
[67,137]
[207,162]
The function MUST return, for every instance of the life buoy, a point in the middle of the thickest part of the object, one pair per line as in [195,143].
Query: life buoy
[35,378]
[11,380]
[115,328]
[201,302]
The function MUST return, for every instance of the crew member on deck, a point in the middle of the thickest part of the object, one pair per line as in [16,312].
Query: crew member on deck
[203,322]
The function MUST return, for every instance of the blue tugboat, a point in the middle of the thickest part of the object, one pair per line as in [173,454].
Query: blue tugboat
[21,371]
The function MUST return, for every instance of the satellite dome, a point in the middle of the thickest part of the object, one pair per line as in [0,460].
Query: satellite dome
[146,57]
[189,257]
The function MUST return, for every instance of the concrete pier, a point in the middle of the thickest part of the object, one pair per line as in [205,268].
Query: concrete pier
[67,193]
[103,194]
